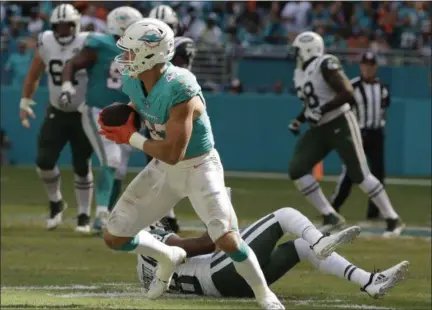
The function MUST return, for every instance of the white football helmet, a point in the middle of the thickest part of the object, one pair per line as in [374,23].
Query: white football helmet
[65,21]
[146,43]
[308,44]
[166,14]
[119,19]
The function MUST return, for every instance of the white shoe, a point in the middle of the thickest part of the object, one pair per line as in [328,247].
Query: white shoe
[164,272]
[83,225]
[381,282]
[270,302]
[394,228]
[326,245]
[83,229]
[57,219]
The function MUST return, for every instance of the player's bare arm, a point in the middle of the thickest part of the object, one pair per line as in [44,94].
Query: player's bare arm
[30,85]
[83,60]
[339,82]
[193,246]
[31,81]
[177,134]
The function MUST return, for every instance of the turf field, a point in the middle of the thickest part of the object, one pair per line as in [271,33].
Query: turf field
[60,269]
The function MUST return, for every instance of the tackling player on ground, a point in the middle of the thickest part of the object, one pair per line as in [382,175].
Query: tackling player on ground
[327,93]
[62,123]
[105,85]
[185,163]
[212,274]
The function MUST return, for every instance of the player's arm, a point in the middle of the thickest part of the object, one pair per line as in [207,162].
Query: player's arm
[33,76]
[178,132]
[83,60]
[30,85]
[193,246]
[339,82]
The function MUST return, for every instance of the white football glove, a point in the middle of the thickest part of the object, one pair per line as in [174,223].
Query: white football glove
[66,95]
[294,127]
[26,111]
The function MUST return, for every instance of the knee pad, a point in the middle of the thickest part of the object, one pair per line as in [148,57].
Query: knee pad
[370,185]
[217,228]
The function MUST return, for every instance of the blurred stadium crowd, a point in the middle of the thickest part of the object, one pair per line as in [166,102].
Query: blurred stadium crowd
[380,26]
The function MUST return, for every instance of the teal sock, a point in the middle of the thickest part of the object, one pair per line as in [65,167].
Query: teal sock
[241,254]
[104,186]
[116,189]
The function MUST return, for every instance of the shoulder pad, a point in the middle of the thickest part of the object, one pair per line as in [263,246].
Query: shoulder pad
[44,37]
[330,62]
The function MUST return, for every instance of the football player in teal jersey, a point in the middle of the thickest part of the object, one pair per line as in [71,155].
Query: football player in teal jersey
[185,163]
[185,50]
[104,88]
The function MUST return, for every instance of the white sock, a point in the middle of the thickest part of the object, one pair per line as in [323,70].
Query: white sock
[250,270]
[334,264]
[52,182]
[148,245]
[375,190]
[171,214]
[293,222]
[311,189]
[84,193]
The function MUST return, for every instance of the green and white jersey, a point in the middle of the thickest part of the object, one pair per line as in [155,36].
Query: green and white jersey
[192,277]
[55,56]
[215,274]
[314,91]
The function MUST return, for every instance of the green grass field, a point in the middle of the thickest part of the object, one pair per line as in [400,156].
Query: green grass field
[60,269]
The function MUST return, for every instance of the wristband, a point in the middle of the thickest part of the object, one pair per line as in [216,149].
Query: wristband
[137,140]
[25,103]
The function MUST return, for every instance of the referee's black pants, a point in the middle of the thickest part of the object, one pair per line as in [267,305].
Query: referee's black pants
[373,144]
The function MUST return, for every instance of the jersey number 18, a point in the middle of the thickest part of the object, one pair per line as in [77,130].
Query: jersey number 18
[311,99]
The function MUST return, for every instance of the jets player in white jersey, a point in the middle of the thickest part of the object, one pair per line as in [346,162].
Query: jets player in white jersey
[212,274]
[62,123]
[327,93]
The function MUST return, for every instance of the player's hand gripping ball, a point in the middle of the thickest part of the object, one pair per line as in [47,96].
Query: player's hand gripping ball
[118,122]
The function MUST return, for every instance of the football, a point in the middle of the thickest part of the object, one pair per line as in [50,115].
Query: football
[117,114]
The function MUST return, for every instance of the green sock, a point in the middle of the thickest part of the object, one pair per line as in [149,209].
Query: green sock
[116,189]
[104,186]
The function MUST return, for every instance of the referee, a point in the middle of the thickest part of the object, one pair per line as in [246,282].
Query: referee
[372,100]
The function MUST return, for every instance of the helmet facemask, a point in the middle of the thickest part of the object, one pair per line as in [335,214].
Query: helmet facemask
[65,32]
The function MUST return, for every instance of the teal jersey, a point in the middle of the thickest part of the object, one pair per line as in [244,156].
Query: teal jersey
[176,85]
[104,79]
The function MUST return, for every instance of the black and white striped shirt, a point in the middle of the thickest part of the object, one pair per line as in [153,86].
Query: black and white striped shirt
[372,101]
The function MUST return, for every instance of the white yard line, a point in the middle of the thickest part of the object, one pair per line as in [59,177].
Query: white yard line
[284,176]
